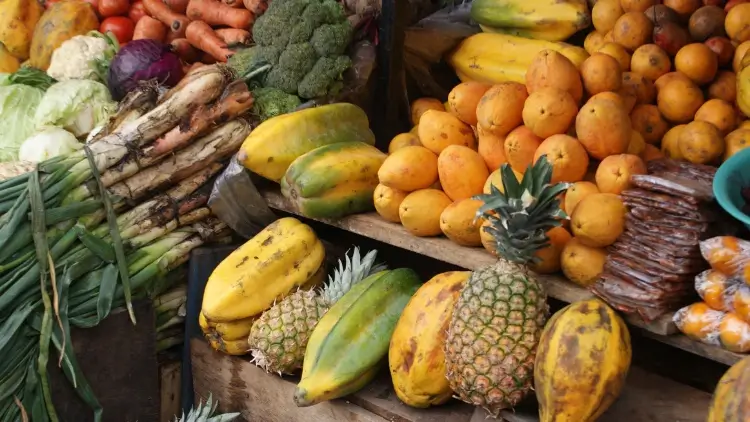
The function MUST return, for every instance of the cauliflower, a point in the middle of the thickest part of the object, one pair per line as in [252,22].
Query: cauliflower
[304,42]
[83,57]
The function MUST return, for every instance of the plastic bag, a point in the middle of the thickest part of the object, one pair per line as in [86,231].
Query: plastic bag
[741,302]
[699,322]
[716,289]
[729,255]
[236,201]
[734,334]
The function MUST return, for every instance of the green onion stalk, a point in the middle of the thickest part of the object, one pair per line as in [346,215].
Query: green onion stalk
[67,263]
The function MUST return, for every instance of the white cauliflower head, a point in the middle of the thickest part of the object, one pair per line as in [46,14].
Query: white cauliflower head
[78,57]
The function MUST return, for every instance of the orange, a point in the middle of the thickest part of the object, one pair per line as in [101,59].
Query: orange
[741,302]
[679,99]
[594,40]
[697,62]
[651,153]
[670,143]
[648,121]
[618,52]
[549,257]
[600,73]
[599,219]
[644,89]
[582,264]
[604,14]
[637,145]
[603,127]
[520,146]
[567,156]
[650,61]
[576,193]
[663,79]
[613,173]
[724,87]
[735,142]
[719,113]
[734,334]
[701,143]
[711,286]
[698,321]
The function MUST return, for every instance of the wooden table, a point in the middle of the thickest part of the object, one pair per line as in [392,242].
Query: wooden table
[241,386]
[373,226]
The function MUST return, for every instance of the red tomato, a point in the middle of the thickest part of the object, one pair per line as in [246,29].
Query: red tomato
[109,8]
[137,11]
[120,26]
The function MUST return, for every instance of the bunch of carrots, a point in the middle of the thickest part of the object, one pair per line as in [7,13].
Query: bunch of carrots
[200,31]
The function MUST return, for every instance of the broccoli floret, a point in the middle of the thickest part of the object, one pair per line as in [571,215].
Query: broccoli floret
[318,82]
[272,102]
[331,40]
[242,61]
[303,33]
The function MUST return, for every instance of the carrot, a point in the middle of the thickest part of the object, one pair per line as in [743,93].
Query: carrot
[207,59]
[175,21]
[216,13]
[178,6]
[236,4]
[234,36]
[185,50]
[171,36]
[149,28]
[202,37]
[257,7]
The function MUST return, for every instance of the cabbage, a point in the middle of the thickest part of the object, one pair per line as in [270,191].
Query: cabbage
[48,142]
[18,104]
[143,60]
[76,105]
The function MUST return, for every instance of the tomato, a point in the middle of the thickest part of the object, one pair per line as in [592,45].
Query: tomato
[137,11]
[120,26]
[109,8]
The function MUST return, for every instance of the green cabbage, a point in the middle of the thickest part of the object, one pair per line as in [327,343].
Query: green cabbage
[46,143]
[78,106]
[18,104]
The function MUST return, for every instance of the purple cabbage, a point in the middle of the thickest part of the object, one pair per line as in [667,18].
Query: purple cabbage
[143,60]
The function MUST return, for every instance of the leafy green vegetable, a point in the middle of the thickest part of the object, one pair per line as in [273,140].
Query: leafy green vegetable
[272,102]
[18,104]
[48,142]
[77,105]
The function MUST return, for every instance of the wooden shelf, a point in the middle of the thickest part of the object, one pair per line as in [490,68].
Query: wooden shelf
[372,226]
[240,386]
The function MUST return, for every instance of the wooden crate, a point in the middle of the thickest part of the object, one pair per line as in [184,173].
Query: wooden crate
[241,386]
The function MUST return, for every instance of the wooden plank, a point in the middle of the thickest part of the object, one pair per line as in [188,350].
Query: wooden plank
[170,374]
[240,386]
[372,226]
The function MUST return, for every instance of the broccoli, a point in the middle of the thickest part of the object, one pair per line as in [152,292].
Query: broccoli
[304,42]
[272,102]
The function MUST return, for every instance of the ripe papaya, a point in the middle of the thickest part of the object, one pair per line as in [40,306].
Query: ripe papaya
[416,356]
[334,180]
[271,148]
[731,400]
[583,359]
[18,18]
[61,22]
[349,342]
[539,19]
[282,257]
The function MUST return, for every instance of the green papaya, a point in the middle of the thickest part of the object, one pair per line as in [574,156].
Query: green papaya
[349,343]
[333,180]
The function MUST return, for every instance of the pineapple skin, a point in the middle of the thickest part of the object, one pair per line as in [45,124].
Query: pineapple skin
[279,337]
[493,336]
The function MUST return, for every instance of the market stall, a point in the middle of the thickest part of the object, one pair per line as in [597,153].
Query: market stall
[323,210]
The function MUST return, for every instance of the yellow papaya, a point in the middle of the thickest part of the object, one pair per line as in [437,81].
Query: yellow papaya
[61,22]
[18,18]
[282,257]
[549,20]
[494,58]
[416,356]
[334,180]
[8,63]
[271,148]
[582,361]
[731,399]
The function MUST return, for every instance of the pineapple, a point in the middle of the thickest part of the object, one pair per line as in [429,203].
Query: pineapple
[499,317]
[205,413]
[279,337]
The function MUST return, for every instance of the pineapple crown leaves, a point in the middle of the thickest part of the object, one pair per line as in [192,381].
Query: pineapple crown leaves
[205,413]
[520,217]
[349,273]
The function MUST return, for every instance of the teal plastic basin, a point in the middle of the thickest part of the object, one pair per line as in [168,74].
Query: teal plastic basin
[732,176]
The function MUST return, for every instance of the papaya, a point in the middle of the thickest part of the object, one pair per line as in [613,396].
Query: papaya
[334,180]
[583,359]
[282,257]
[18,18]
[8,63]
[61,22]
[272,146]
[416,356]
[494,58]
[731,399]
[347,345]
[539,19]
